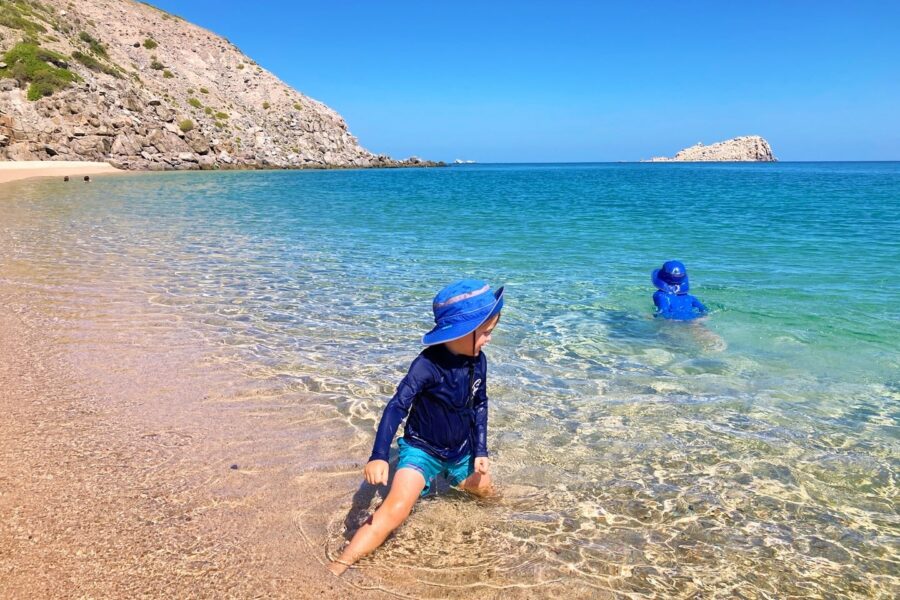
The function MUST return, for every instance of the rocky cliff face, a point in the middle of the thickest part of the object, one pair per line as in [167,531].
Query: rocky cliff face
[749,148]
[123,82]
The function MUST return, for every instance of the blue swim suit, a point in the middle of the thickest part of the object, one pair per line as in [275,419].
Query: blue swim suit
[456,471]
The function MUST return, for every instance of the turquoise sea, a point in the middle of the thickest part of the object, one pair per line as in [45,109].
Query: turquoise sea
[754,453]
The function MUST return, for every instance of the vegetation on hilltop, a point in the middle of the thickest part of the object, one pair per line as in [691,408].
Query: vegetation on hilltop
[93,43]
[165,14]
[18,14]
[46,71]
[95,65]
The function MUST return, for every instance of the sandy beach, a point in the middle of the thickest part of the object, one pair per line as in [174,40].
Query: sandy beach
[15,170]
[142,476]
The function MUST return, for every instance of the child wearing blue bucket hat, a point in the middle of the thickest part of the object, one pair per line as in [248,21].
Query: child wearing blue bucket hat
[671,297]
[444,401]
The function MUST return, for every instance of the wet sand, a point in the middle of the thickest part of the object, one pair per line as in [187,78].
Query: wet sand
[76,170]
[150,477]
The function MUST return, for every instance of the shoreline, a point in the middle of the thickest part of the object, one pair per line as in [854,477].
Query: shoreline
[34,169]
[18,170]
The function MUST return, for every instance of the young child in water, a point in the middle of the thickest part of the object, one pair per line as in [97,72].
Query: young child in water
[444,400]
[671,298]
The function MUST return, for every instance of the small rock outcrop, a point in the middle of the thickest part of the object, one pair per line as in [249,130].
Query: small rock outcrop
[748,148]
[123,82]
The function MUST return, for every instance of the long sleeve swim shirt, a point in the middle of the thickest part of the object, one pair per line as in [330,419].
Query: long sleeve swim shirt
[444,400]
[679,307]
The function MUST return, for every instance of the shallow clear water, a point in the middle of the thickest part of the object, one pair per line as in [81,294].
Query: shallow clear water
[754,453]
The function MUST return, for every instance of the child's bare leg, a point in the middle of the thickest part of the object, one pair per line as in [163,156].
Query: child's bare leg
[405,490]
[478,484]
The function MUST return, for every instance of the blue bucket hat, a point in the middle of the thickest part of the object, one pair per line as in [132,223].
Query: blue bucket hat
[460,308]
[671,277]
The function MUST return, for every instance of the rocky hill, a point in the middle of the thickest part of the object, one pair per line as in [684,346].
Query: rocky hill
[123,82]
[749,148]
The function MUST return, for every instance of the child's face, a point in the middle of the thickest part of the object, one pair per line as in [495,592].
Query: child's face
[466,346]
[483,333]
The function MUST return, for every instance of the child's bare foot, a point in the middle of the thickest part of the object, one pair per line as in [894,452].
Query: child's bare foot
[337,567]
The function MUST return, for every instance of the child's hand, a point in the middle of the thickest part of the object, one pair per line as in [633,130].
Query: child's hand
[482,465]
[377,472]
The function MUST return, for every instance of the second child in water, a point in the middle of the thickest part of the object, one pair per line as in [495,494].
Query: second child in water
[671,297]
[444,400]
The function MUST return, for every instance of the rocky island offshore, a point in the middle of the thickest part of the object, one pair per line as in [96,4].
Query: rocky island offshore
[748,148]
[123,82]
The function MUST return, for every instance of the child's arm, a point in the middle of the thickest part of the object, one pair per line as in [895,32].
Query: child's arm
[661,301]
[695,302]
[396,410]
[480,405]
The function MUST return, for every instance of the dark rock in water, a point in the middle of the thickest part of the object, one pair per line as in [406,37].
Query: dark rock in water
[815,546]
[744,479]
[780,473]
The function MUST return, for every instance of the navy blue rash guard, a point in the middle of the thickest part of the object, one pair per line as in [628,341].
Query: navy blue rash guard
[680,307]
[435,395]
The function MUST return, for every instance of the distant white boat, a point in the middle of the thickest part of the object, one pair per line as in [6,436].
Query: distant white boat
[460,161]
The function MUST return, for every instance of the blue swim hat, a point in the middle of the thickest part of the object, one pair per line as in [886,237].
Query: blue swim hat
[460,308]
[673,274]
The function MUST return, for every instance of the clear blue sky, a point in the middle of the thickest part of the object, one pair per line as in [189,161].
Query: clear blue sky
[583,81]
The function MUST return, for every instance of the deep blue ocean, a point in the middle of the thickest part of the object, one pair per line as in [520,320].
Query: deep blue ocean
[753,453]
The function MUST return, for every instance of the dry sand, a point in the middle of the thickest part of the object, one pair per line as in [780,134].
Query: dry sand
[13,170]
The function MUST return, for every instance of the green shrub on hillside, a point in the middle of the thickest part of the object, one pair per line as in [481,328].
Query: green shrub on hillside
[47,10]
[266,105]
[150,44]
[157,66]
[46,71]
[240,66]
[208,110]
[94,44]
[12,15]
[186,125]
[195,103]
[298,106]
[95,65]
[221,115]
[167,74]
[203,90]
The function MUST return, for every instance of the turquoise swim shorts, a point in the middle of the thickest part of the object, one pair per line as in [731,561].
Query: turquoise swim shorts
[430,467]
